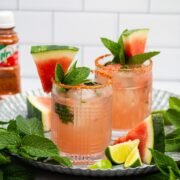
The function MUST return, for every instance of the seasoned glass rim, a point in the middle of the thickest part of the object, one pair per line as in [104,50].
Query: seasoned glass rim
[82,86]
[135,68]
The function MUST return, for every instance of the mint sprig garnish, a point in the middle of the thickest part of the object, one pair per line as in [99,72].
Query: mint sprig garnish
[141,58]
[118,51]
[74,76]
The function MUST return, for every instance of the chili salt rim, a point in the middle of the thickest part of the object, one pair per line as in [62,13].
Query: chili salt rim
[144,68]
[65,86]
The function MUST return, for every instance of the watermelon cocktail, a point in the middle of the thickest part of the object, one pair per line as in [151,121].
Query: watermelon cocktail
[131,72]
[81,120]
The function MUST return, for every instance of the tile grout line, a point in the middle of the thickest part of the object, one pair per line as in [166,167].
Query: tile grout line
[99,45]
[149,6]
[52,28]
[18,4]
[101,12]
[83,5]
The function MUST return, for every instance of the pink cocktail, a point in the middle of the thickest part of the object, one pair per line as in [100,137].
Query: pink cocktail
[81,120]
[132,89]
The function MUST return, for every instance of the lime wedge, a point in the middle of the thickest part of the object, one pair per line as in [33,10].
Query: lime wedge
[133,160]
[102,164]
[118,153]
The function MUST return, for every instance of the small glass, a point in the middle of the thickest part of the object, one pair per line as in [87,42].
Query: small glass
[132,93]
[81,120]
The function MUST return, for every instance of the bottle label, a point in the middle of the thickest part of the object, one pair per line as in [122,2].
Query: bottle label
[8,55]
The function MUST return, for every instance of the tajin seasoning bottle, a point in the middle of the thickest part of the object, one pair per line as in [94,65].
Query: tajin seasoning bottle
[9,66]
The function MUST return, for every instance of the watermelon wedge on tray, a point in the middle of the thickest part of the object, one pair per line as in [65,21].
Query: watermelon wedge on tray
[135,41]
[40,107]
[46,58]
[151,134]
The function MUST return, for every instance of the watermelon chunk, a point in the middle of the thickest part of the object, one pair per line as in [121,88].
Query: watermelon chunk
[135,41]
[46,58]
[40,107]
[151,134]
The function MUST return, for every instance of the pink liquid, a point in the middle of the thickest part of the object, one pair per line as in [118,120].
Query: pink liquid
[90,131]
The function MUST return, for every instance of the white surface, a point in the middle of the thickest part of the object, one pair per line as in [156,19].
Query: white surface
[164,6]
[34,83]
[164,28]
[84,28]
[51,4]
[117,5]
[34,27]
[8,4]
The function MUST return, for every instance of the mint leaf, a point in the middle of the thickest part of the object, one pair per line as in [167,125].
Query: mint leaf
[4,122]
[172,145]
[30,126]
[174,103]
[162,113]
[77,76]
[4,159]
[122,56]
[12,126]
[173,134]
[141,58]
[171,174]
[64,161]
[65,115]
[16,172]
[173,116]
[70,71]
[9,139]
[164,162]
[113,47]
[38,146]
[59,73]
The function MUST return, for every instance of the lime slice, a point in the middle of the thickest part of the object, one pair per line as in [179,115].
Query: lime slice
[118,153]
[102,164]
[133,160]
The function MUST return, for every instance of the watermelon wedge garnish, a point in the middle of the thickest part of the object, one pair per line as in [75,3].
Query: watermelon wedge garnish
[135,41]
[46,58]
[151,134]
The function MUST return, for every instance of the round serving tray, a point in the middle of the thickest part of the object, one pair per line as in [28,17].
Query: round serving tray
[16,105]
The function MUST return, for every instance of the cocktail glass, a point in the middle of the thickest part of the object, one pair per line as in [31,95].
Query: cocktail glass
[81,120]
[132,91]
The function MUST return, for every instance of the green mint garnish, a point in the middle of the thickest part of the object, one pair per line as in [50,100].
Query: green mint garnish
[141,58]
[65,115]
[74,76]
[118,51]
[113,47]
[59,73]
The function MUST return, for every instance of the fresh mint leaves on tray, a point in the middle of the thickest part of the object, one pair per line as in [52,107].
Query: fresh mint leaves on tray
[24,137]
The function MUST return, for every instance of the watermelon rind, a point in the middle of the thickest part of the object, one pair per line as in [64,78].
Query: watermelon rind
[45,48]
[149,141]
[159,133]
[42,53]
[134,31]
[156,136]
[38,110]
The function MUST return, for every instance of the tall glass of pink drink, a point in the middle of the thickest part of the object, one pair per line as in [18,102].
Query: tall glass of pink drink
[81,120]
[132,89]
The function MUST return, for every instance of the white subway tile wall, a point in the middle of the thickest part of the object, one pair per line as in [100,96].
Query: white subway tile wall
[83,22]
